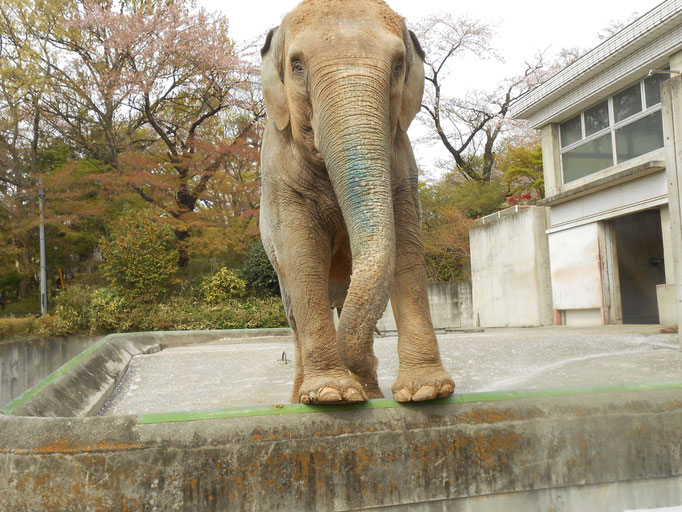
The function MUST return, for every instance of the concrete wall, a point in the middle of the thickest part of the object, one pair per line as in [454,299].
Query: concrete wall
[25,363]
[606,452]
[450,303]
[510,269]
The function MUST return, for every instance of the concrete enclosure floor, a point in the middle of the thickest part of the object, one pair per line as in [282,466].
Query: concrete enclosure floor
[228,374]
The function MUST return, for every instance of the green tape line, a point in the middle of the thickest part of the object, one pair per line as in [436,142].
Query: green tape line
[492,396]
[47,381]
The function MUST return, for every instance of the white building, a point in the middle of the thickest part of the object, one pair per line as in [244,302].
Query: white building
[607,165]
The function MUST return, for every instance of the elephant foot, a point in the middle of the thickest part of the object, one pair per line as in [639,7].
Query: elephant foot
[370,386]
[372,390]
[422,384]
[330,390]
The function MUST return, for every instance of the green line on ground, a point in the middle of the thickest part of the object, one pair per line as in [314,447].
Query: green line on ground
[491,396]
[47,381]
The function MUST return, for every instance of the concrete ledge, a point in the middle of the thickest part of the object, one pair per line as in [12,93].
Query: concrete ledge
[427,457]
[627,174]
[188,338]
[80,387]
[83,384]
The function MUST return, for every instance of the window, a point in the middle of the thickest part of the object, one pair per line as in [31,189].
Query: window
[620,128]
[652,86]
[588,158]
[571,131]
[640,137]
[627,103]
[596,118]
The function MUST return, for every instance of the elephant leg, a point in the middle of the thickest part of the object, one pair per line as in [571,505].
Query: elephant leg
[298,379]
[339,281]
[303,263]
[421,375]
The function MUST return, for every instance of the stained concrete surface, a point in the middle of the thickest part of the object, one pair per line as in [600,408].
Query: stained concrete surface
[225,374]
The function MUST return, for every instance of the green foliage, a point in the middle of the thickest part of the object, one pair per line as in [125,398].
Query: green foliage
[9,282]
[445,231]
[108,312]
[258,272]
[72,306]
[521,167]
[31,326]
[479,198]
[183,314]
[140,257]
[223,285]
[12,327]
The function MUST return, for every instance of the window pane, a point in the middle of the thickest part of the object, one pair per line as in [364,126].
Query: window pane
[652,88]
[627,103]
[596,118]
[588,158]
[571,131]
[640,137]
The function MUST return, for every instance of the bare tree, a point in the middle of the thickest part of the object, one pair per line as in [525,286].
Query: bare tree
[468,126]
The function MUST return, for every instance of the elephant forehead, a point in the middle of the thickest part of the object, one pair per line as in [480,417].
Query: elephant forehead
[312,13]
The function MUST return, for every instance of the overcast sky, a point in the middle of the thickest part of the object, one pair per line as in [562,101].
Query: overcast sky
[523,29]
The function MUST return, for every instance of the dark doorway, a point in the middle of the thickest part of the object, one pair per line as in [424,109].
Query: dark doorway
[639,246]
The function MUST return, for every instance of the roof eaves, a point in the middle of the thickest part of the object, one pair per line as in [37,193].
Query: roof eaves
[627,40]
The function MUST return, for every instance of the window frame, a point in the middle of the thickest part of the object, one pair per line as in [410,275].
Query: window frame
[612,128]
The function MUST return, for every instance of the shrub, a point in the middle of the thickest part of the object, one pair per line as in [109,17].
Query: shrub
[223,285]
[72,307]
[31,326]
[258,272]
[479,198]
[109,312]
[140,257]
[11,327]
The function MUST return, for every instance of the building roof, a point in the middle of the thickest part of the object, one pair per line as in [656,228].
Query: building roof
[644,44]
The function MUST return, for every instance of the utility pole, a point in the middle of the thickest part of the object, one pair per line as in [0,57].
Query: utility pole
[43,258]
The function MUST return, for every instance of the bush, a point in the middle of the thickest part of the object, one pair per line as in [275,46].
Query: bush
[258,272]
[223,285]
[140,257]
[109,312]
[72,307]
[480,198]
[11,327]
[31,326]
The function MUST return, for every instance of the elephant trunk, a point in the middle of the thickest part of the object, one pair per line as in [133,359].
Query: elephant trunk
[353,136]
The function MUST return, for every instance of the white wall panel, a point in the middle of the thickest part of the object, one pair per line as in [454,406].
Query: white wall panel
[576,268]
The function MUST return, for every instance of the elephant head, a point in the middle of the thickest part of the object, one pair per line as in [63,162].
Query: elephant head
[341,78]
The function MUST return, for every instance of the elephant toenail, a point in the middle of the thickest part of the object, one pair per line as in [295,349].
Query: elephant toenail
[329,395]
[402,395]
[353,395]
[425,393]
[446,390]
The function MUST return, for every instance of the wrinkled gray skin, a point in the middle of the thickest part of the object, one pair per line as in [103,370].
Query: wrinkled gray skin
[340,218]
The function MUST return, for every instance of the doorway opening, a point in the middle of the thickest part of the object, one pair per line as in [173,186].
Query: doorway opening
[639,250]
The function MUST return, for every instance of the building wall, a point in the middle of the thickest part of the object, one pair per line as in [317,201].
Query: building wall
[632,196]
[450,304]
[510,269]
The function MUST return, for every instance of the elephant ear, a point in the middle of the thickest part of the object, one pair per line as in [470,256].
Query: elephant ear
[414,80]
[272,79]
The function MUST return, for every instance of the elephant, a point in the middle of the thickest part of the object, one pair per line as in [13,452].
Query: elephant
[340,216]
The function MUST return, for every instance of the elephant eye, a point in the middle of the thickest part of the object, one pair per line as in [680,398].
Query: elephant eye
[297,67]
[398,69]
